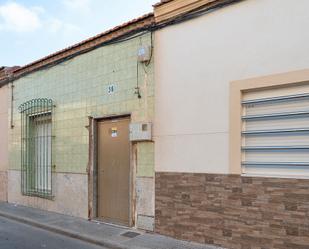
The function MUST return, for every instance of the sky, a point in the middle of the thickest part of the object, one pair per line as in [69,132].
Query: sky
[32,29]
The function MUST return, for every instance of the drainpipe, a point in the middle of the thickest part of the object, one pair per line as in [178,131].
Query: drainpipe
[12,105]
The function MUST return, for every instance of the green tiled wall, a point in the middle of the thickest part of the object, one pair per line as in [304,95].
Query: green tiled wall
[145,159]
[78,88]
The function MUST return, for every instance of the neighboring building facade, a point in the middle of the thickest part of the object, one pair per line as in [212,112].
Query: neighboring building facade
[4,122]
[71,149]
[231,155]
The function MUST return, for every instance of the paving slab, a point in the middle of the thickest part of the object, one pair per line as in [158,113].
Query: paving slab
[107,235]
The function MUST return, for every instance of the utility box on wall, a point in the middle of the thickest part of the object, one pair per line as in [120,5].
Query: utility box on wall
[140,131]
[144,54]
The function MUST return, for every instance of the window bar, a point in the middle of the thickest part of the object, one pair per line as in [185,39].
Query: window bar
[49,153]
[24,141]
[33,152]
[21,153]
[22,156]
[45,153]
[27,149]
[41,150]
[28,165]
[41,180]
[36,150]
[27,137]
[40,119]
[50,141]
[44,170]
[43,159]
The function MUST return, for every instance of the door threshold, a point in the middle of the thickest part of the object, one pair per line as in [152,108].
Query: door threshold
[100,221]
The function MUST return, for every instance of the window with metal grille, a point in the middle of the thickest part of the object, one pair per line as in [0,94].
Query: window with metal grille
[275,131]
[36,147]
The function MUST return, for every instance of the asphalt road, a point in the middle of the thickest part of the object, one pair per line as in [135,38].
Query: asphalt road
[14,235]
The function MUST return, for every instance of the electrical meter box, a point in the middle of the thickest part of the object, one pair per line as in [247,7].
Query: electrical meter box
[140,131]
[144,54]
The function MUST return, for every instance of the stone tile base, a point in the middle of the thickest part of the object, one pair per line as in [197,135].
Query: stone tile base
[145,203]
[70,190]
[233,211]
[3,186]
[145,222]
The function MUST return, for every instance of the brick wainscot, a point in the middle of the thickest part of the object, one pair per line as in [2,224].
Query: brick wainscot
[233,211]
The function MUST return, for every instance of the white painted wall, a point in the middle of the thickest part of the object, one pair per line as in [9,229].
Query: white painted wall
[194,64]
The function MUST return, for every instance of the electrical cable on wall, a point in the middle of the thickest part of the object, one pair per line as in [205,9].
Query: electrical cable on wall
[12,105]
[137,88]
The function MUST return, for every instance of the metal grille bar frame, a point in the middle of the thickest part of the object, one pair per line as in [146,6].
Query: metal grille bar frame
[36,147]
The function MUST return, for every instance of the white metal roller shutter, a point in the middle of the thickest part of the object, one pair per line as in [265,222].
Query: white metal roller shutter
[275,132]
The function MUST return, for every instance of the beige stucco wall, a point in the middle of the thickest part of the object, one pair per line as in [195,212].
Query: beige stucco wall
[4,125]
[195,62]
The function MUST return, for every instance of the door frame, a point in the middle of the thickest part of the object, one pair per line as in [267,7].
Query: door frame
[92,168]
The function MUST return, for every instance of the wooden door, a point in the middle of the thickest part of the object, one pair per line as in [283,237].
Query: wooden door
[114,171]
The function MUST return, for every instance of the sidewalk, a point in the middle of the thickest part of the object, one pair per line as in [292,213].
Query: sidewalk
[113,237]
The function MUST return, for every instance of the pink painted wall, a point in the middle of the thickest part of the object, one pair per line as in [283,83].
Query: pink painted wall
[4,124]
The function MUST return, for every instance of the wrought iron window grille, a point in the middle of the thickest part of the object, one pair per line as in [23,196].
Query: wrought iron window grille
[36,147]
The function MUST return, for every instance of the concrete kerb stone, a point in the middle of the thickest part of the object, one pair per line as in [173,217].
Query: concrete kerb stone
[105,243]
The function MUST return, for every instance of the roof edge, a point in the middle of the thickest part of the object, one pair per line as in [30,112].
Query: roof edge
[6,73]
[86,45]
[162,2]
[167,10]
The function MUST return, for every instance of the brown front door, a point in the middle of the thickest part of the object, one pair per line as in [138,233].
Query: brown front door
[114,171]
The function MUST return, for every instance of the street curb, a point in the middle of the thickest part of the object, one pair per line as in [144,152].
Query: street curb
[105,243]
